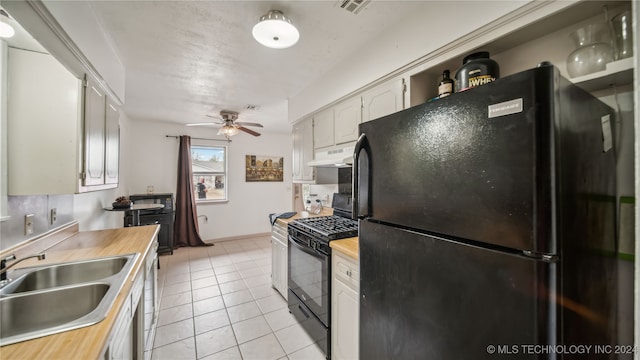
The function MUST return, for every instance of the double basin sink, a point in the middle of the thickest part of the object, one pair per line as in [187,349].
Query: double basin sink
[49,299]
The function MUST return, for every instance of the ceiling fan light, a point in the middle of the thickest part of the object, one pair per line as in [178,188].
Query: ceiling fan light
[274,30]
[228,130]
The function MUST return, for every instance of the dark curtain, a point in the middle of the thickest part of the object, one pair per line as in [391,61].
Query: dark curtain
[185,232]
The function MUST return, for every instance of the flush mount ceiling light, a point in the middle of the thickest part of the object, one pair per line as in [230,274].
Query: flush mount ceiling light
[275,31]
[6,30]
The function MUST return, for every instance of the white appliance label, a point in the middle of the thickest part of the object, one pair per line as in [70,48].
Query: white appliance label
[505,108]
[607,142]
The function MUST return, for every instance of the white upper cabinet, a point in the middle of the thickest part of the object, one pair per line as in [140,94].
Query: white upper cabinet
[94,134]
[43,125]
[112,143]
[348,114]
[382,100]
[302,151]
[337,125]
[48,153]
[323,129]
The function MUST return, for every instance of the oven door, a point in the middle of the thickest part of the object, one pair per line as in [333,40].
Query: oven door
[309,276]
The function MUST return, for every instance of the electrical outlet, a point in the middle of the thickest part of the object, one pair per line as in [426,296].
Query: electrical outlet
[54,215]
[28,224]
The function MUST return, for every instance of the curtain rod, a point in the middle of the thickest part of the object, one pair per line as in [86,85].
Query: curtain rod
[197,138]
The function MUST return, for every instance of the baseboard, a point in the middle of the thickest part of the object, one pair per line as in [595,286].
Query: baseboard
[241,237]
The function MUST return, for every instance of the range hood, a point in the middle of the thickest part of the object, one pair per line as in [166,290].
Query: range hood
[334,157]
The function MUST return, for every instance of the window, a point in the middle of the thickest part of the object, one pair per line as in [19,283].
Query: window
[209,166]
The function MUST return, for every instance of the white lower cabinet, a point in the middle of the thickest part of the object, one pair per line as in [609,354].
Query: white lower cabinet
[122,344]
[126,341]
[345,307]
[279,256]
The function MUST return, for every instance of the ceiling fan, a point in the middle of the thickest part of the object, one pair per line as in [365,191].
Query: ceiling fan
[229,124]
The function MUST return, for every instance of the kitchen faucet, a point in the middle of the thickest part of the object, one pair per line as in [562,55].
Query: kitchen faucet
[4,267]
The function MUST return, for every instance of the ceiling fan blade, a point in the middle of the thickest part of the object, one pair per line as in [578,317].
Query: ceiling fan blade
[248,131]
[242,123]
[201,124]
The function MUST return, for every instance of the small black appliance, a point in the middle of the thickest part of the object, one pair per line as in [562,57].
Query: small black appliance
[164,217]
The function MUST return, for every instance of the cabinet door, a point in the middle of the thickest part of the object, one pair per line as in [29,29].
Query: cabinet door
[94,134]
[43,135]
[344,321]
[348,115]
[382,100]
[276,264]
[279,266]
[112,150]
[284,272]
[302,150]
[307,150]
[297,152]
[121,346]
[323,129]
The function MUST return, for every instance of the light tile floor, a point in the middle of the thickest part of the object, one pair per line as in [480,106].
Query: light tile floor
[217,303]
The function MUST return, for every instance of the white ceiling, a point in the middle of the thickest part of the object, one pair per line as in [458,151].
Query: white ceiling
[187,59]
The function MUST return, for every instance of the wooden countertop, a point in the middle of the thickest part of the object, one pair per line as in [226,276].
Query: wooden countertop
[347,246]
[88,342]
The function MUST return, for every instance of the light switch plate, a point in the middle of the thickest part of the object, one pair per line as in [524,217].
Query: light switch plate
[54,215]
[28,224]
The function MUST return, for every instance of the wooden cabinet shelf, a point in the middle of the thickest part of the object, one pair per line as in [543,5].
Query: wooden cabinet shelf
[617,73]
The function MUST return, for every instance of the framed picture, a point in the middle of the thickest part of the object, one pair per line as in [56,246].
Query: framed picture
[264,168]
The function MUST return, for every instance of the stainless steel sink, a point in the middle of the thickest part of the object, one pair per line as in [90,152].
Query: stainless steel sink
[44,312]
[64,274]
[50,299]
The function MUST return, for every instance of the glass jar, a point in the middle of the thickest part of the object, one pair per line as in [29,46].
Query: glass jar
[593,51]
[623,30]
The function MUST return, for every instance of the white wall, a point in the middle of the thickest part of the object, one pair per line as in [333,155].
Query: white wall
[153,160]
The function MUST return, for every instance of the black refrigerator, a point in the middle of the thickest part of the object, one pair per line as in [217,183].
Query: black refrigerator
[487,224]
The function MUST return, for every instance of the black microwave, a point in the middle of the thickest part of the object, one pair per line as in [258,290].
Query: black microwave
[164,199]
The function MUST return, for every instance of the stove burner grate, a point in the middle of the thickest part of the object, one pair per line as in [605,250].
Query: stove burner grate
[332,227]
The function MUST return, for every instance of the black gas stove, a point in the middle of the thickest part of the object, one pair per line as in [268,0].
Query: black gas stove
[332,227]
[309,267]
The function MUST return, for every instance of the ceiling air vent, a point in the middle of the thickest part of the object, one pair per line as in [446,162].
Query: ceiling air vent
[353,6]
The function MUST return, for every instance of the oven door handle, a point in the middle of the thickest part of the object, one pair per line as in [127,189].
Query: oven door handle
[308,250]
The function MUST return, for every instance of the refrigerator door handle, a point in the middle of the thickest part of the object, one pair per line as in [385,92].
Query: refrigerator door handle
[361,145]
